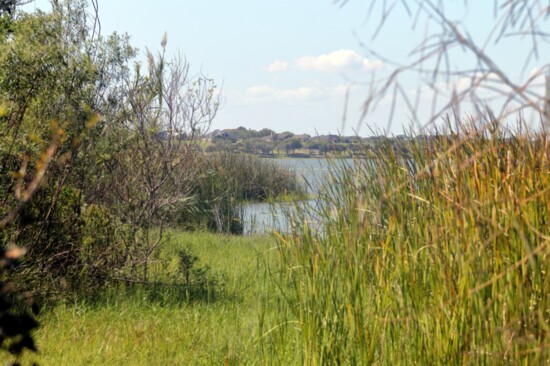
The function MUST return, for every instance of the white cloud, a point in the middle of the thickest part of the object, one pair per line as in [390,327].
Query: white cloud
[337,61]
[259,91]
[302,93]
[344,60]
[277,66]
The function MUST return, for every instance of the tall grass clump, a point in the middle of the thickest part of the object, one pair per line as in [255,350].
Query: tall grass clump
[225,180]
[253,178]
[435,251]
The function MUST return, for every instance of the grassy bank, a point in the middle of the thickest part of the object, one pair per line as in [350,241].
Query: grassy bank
[130,328]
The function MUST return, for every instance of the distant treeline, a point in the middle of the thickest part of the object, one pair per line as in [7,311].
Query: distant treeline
[266,142]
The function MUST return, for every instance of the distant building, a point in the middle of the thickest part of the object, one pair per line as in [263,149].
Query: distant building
[221,134]
[303,137]
[281,136]
[267,138]
[330,138]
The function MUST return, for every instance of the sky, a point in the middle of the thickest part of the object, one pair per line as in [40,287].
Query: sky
[304,65]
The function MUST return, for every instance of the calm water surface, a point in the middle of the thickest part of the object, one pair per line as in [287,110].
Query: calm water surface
[264,217]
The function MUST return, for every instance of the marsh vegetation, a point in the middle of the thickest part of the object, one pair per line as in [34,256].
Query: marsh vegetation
[121,236]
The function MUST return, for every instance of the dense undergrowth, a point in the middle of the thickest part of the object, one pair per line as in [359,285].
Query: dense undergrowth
[432,253]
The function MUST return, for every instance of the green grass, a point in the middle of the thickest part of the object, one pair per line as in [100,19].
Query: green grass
[129,328]
[443,260]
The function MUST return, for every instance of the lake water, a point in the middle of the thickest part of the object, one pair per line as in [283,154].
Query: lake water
[264,217]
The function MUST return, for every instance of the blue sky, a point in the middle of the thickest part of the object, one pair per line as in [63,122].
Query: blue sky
[287,64]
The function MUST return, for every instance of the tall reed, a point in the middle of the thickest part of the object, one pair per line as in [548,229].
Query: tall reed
[435,251]
[225,181]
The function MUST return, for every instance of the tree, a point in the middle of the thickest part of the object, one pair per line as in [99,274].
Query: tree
[264,132]
[55,71]
[312,145]
[292,144]
[150,175]
[43,121]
